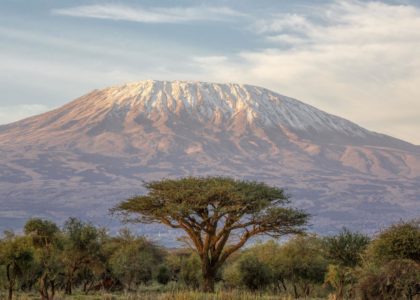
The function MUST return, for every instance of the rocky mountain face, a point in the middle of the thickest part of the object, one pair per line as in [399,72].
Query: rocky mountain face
[80,159]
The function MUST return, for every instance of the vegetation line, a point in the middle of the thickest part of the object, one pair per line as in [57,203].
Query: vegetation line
[219,216]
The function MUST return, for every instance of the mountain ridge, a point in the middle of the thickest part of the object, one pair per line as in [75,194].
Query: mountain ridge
[279,109]
[101,145]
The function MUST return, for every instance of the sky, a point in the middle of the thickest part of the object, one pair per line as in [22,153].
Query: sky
[356,59]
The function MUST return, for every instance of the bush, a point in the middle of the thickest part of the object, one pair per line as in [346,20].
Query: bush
[346,248]
[232,275]
[191,271]
[254,273]
[400,241]
[163,275]
[398,279]
[301,263]
[133,260]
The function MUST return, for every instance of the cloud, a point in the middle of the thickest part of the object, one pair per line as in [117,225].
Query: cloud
[356,59]
[10,114]
[150,15]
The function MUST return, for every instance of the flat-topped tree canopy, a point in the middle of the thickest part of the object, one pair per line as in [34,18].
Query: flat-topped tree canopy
[218,214]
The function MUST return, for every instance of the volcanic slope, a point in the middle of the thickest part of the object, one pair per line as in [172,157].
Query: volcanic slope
[85,156]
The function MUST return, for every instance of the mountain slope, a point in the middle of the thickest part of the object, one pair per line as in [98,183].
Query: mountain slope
[86,155]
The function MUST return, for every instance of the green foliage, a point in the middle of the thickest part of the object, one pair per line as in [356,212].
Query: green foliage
[232,275]
[342,279]
[81,251]
[80,236]
[298,263]
[164,275]
[302,259]
[134,259]
[345,251]
[190,273]
[47,241]
[174,263]
[398,279]
[254,274]
[43,232]
[17,252]
[16,256]
[301,262]
[212,209]
[46,260]
[271,254]
[170,199]
[346,248]
[400,241]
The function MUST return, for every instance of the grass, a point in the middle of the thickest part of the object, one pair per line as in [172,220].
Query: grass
[176,295]
[170,291]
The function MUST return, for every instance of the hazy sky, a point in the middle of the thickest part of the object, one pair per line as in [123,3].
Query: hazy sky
[356,59]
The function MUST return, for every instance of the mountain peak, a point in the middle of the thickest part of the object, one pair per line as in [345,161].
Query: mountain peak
[215,101]
[98,148]
[235,108]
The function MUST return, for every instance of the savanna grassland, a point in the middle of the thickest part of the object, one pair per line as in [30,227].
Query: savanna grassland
[348,265]
[78,260]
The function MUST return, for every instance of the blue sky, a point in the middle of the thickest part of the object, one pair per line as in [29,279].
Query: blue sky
[356,59]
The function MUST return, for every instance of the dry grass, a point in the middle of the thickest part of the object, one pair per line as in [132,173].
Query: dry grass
[178,295]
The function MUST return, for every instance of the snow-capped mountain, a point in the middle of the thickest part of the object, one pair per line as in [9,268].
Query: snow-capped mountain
[83,157]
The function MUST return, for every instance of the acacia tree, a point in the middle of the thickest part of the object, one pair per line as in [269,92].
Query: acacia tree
[81,249]
[218,214]
[300,261]
[16,255]
[133,259]
[45,237]
[345,250]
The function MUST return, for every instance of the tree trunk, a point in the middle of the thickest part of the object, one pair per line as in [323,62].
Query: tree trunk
[208,283]
[10,292]
[307,289]
[283,284]
[68,290]
[43,288]
[209,276]
[295,291]
[52,289]
[85,289]
[340,290]
[11,281]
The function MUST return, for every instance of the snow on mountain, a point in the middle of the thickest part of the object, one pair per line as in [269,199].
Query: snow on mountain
[84,156]
[207,101]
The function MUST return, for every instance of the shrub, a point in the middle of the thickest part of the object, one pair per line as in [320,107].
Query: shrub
[400,241]
[163,275]
[191,271]
[398,279]
[254,273]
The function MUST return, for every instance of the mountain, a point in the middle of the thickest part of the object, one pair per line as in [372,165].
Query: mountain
[85,156]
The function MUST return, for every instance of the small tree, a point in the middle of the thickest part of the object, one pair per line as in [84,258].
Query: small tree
[391,268]
[81,249]
[46,240]
[399,241]
[211,211]
[254,274]
[164,275]
[133,260]
[345,250]
[398,279]
[16,254]
[301,262]
[190,273]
